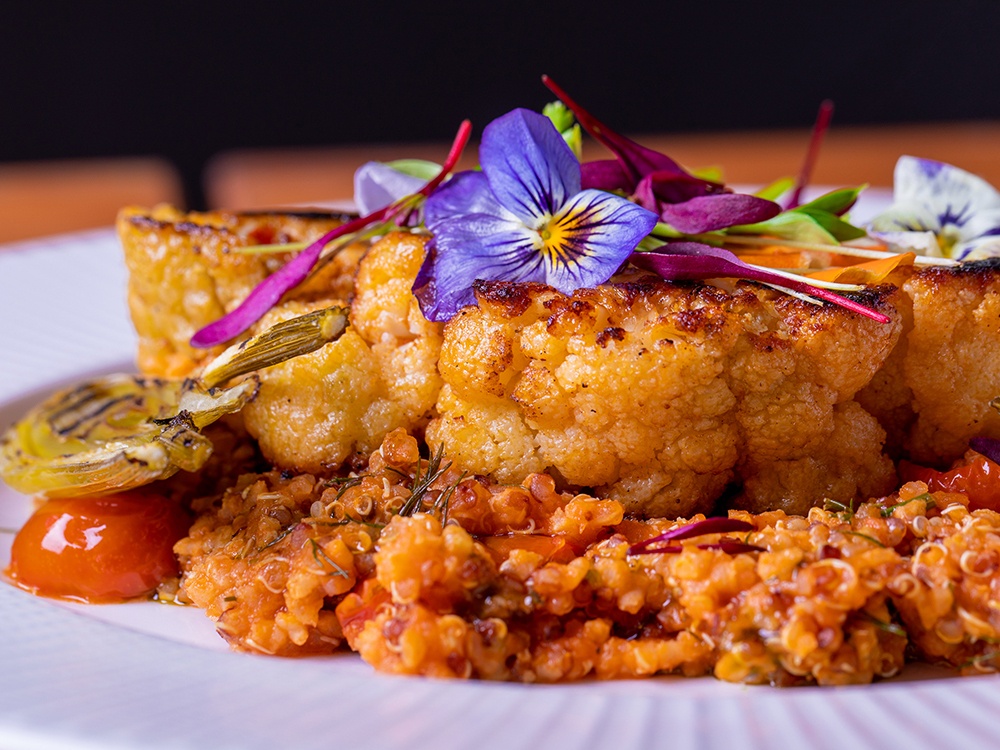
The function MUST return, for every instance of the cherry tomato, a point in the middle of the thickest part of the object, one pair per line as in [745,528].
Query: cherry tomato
[98,549]
[978,479]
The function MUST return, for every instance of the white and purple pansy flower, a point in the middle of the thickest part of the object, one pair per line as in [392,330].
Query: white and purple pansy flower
[524,217]
[941,211]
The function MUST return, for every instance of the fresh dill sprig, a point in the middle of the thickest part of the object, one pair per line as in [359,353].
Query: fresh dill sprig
[318,553]
[422,482]
[845,512]
[925,496]
[867,538]
[277,538]
[889,627]
[445,498]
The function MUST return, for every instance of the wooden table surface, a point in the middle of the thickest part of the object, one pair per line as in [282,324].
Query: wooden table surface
[54,197]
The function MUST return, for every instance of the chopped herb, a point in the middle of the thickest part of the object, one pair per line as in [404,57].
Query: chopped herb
[445,497]
[845,512]
[277,538]
[871,539]
[422,482]
[888,627]
[321,557]
[926,497]
[230,599]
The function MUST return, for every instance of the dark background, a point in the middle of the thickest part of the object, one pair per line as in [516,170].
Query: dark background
[188,80]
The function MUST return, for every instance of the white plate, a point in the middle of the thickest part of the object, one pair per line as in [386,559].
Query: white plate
[153,676]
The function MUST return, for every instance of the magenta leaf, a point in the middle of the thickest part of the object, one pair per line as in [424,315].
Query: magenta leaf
[605,174]
[822,124]
[266,294]
[720,525]
[695,261]
[658,188]
[711,212]
[637,160]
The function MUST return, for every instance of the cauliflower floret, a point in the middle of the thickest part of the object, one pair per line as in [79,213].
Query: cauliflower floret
[659,395]
[933,393]
[184,273]
[313,412]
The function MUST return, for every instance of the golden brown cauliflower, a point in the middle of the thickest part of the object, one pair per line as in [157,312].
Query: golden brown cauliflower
[313,412]
[664,396]
[933,393]
[184,273]
[660,395]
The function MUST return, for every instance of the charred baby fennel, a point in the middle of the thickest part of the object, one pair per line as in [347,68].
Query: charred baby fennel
[123,431]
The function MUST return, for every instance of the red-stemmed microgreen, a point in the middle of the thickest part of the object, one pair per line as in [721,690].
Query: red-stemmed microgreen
[266,294]
[719,525]
[823,118]
[696,261]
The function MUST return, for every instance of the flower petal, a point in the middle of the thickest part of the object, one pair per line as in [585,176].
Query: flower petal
[376,185]
[978,249]
[931,197]
[902,241]
[465,193]
[980,237]
[945,190]
[470,247]
[711,212]
[531,170]
[591,237]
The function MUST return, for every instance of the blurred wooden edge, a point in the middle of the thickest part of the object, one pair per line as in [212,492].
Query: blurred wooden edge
[44,198]
[265,178]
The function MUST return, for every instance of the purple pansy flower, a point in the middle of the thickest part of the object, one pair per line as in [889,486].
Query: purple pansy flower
[941,211]
[688,203]
[524,217]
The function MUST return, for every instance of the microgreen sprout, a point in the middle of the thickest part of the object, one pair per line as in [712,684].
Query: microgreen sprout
[444,499]
[844,511]
[266,294]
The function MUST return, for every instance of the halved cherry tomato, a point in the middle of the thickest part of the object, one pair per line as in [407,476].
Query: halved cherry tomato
[98,549]
[978,479]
